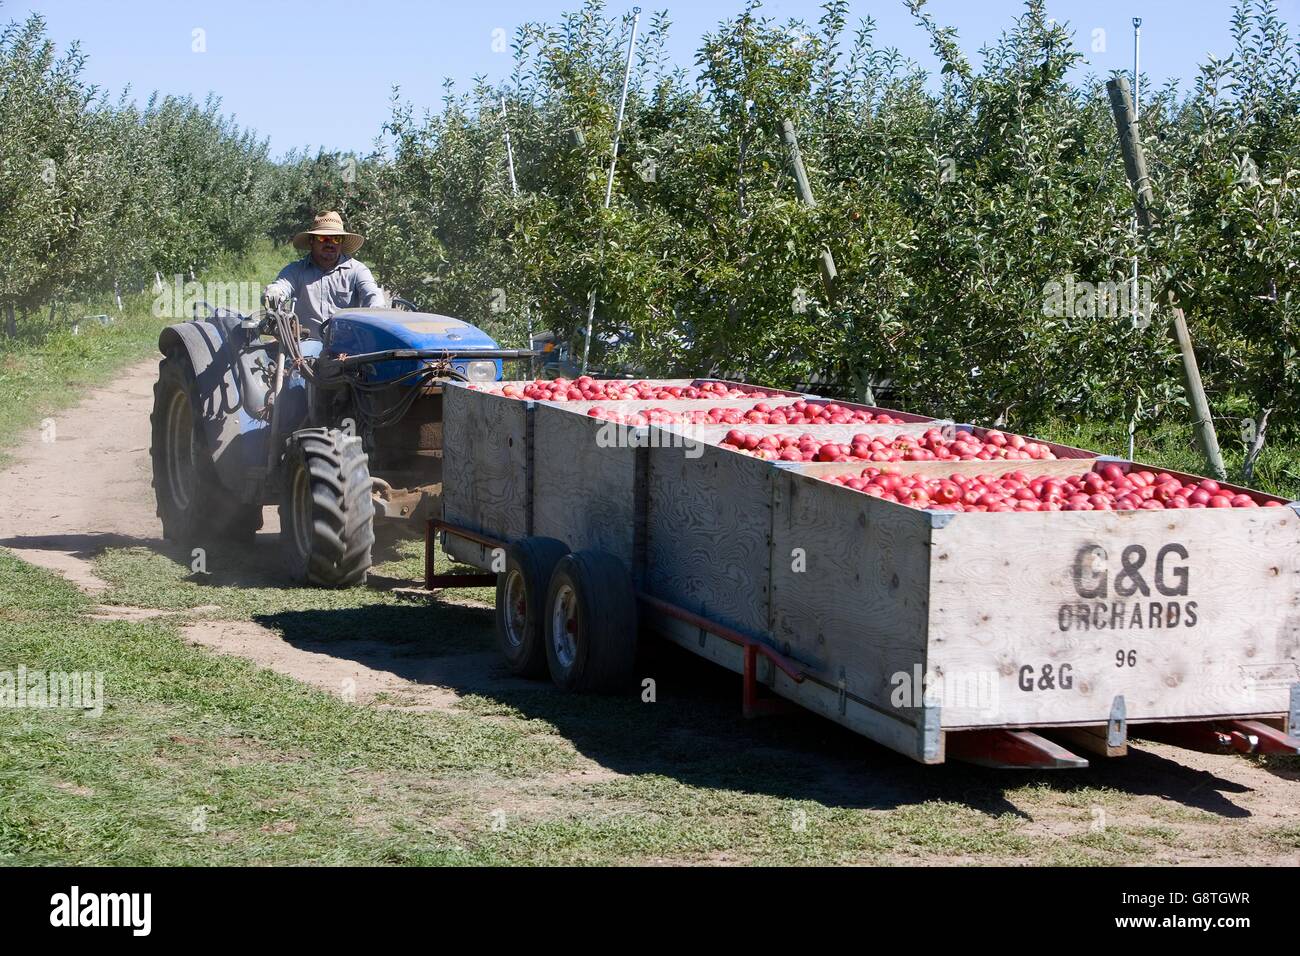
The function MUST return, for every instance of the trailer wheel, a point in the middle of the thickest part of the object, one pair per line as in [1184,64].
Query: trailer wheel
[327,517]
[590,623]
[190,499]
[521,601]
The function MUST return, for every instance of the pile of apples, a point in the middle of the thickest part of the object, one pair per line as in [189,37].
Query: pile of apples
[813,413]
[1107,488]
[800,412]
[931,446]
[586,388]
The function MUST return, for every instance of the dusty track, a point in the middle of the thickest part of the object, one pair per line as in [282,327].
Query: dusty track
[65,501]
[68,499]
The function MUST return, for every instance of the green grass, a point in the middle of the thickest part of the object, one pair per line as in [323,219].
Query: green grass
[48,368]
[283,770]
[201,758]
[247,583]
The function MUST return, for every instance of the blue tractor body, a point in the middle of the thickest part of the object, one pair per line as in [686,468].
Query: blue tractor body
[355,331]
[352,332]
[263,403]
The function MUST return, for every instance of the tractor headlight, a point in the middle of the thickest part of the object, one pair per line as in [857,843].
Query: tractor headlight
[481,371]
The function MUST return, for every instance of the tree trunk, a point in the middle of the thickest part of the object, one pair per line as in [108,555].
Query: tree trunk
[11,322]
[1256,446]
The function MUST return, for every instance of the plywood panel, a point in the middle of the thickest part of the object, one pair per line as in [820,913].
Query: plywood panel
[486,464]
[708,522]
[850,585]
[584,487]
[1206,602]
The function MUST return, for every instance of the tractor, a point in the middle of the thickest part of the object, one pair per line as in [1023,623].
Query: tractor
[337,431]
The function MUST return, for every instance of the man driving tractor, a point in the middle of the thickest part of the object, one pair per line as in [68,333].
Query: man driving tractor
[327,278]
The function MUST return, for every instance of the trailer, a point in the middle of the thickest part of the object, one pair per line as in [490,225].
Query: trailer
[1027,639]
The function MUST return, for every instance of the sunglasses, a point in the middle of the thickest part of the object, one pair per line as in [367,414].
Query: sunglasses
[327,240]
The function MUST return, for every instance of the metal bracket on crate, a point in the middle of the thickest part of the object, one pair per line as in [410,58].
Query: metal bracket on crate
[1294,506]
[1117,726]
[1293,714]
[929,733]
[752,705]
[1113,458]
[940,519]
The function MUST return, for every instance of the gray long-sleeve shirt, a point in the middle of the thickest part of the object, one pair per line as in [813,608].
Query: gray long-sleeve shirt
[320,294]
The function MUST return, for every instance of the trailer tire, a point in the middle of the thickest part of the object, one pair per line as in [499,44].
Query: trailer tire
[190,500]
[521,603]
[590,623]
[327,517]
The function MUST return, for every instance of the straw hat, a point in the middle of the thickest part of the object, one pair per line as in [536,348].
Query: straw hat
[328,224]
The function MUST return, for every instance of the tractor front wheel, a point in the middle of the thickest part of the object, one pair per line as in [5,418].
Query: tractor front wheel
[327,517]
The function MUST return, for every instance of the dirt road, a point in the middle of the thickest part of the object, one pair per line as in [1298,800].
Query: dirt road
[81,482]
[81,485]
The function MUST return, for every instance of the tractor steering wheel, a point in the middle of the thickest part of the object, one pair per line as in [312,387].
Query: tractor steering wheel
[405,305]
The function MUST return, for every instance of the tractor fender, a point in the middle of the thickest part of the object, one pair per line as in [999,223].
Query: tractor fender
[214,376]
[204,344]
[233,432]
[232,397]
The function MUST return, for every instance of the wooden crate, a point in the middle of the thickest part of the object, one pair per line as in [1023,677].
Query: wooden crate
[708,528]
[1010,598]
[519,467]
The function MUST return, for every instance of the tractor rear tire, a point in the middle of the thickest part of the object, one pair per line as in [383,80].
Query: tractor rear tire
[590,623]
[521,603]
[191,501]
[327,517]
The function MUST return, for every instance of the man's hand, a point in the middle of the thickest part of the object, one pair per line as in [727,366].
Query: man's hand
[273,299]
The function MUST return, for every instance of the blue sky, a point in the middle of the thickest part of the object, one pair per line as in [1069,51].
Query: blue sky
[310,74]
